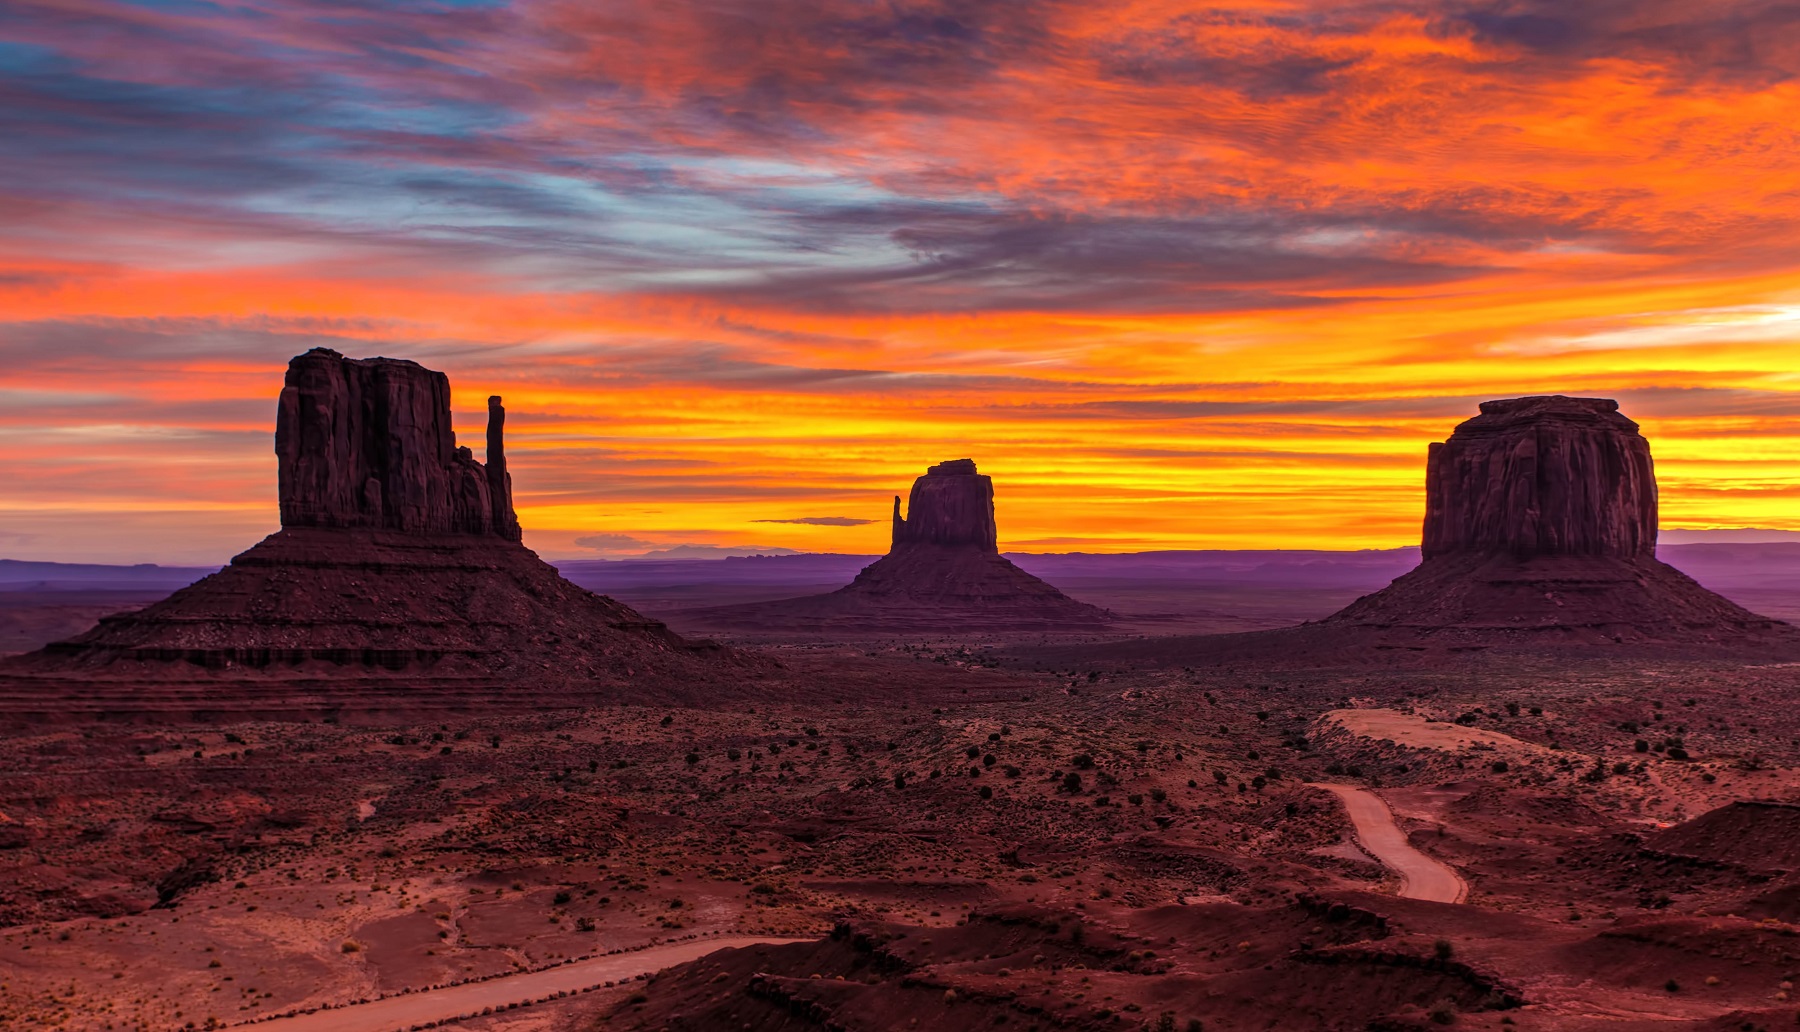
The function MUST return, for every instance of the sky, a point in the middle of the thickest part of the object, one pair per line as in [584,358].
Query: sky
[1178,275]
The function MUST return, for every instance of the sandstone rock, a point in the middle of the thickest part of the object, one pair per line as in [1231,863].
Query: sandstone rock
[368,443]
[1540,533]
[399,555]
[952,506]
[944,574]
[1540,527]
[1543,476]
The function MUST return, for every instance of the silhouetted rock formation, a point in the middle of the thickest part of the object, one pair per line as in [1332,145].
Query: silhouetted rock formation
[944,574]
[1542,476]
[368,443]
[952,506]
[398,552]
[1540,525]
[1540,531]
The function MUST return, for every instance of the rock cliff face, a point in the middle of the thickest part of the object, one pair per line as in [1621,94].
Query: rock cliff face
[367,443]
[1545,476]
[951,506]
[399,554]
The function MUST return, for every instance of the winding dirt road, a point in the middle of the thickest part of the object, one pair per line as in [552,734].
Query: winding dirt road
[400,1012]
[1421,876]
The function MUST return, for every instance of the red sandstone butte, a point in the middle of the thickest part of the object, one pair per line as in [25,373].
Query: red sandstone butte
[399,556]
[1540,526]
[944,574]
[1542,476]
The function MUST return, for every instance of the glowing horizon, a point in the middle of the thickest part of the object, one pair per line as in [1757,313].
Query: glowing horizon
[1177,276]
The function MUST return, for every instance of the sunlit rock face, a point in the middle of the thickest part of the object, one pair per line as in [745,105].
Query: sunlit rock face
[1542,476]
[367,443]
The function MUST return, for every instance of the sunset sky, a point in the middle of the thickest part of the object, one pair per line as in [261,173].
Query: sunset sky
[1178,275]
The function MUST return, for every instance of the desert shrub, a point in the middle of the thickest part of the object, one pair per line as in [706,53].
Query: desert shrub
[986,792]
[1443,949]
[1071,782]
[1500,766]
[1442,1013]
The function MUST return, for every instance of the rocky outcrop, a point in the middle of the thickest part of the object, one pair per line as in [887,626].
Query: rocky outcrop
[399,554]
[1543,476]
[367,443]
[952,506]
[943,575]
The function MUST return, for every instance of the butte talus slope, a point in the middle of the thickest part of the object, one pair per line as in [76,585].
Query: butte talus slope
[399,560]
[943,574]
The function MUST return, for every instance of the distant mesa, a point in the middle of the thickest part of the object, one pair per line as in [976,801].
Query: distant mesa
[943,574]
[399,554]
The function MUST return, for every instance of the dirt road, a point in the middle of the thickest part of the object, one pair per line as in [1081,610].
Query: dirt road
[1421,877]
[400,1012]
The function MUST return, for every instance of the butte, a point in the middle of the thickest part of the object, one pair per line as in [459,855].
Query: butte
[398,566]
[1540,532]
[943,574]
